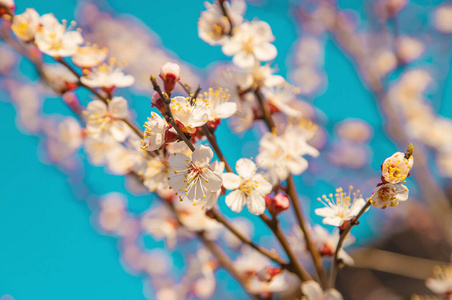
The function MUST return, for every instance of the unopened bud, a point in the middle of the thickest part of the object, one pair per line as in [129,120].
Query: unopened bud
[267,273]
[170,74]
[158,103]
[277,204]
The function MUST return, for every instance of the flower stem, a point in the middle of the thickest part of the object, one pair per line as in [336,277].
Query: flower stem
[294,264]
[225,13]
[343,236]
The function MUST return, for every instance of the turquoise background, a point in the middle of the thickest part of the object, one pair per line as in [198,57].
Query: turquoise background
[49,248]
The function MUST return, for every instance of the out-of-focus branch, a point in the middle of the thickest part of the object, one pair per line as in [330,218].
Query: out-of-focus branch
[294,264]
[395,263]
[273,255]
[226,15]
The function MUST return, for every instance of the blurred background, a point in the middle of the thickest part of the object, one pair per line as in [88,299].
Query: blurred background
[52,246]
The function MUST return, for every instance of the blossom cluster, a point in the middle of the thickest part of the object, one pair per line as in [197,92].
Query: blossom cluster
[177,155]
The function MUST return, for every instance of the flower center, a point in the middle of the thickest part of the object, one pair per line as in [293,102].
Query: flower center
[246,186]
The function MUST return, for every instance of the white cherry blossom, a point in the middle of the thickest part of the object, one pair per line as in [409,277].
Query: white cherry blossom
[89,56]
[107,119]
[281,96]
[161,224]
[107,76]
[189,115]
[283,155]
[98,148]
[155,174]
[250,44]
[218,103]
[60,79]
[312,291]
[26,25]
[193,177]
[154,133]
[396,168]
[389,194]
[341,207]
[213,26]
[70,133]
[212,198]
[247,188]
[53,38]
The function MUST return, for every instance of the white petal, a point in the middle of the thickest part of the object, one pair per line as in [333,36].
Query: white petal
[177,182]
[255,203]
[244,59]
[324,212]
[202,156]
[231,181]
[97,106]
[245,167]
[213,180]
[265,52]
[262,185]
[119,130]
[236,200]
[231,47]
[179,161]
[118,107]
[226,110]
[297,166]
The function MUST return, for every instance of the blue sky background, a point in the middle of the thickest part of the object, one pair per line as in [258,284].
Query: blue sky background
[49,248]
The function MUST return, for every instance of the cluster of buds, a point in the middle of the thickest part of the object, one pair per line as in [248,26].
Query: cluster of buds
[395,169]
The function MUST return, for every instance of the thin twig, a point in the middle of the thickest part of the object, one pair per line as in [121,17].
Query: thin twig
[225,13]
[343,236]
[272,254]
[213,142]
[294,264]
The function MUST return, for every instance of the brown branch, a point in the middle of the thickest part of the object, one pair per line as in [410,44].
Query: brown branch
[271,254]
[294,265]
[169,114]
[213,142]
[225,13]
[344,233]
[317,259]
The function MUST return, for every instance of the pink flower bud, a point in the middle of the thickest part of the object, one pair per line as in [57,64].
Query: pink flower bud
[170,74]
[158,103]
[277,204]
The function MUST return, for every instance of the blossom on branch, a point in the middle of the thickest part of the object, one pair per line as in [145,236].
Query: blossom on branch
[106,119]
[193,177]
[396,168]
[389,194]
[247,188]
[214,27]
[55,39]
[89,56]
[189,115]
[340,208]
[218,103]
[26,25]
[250,44]
[107,76]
